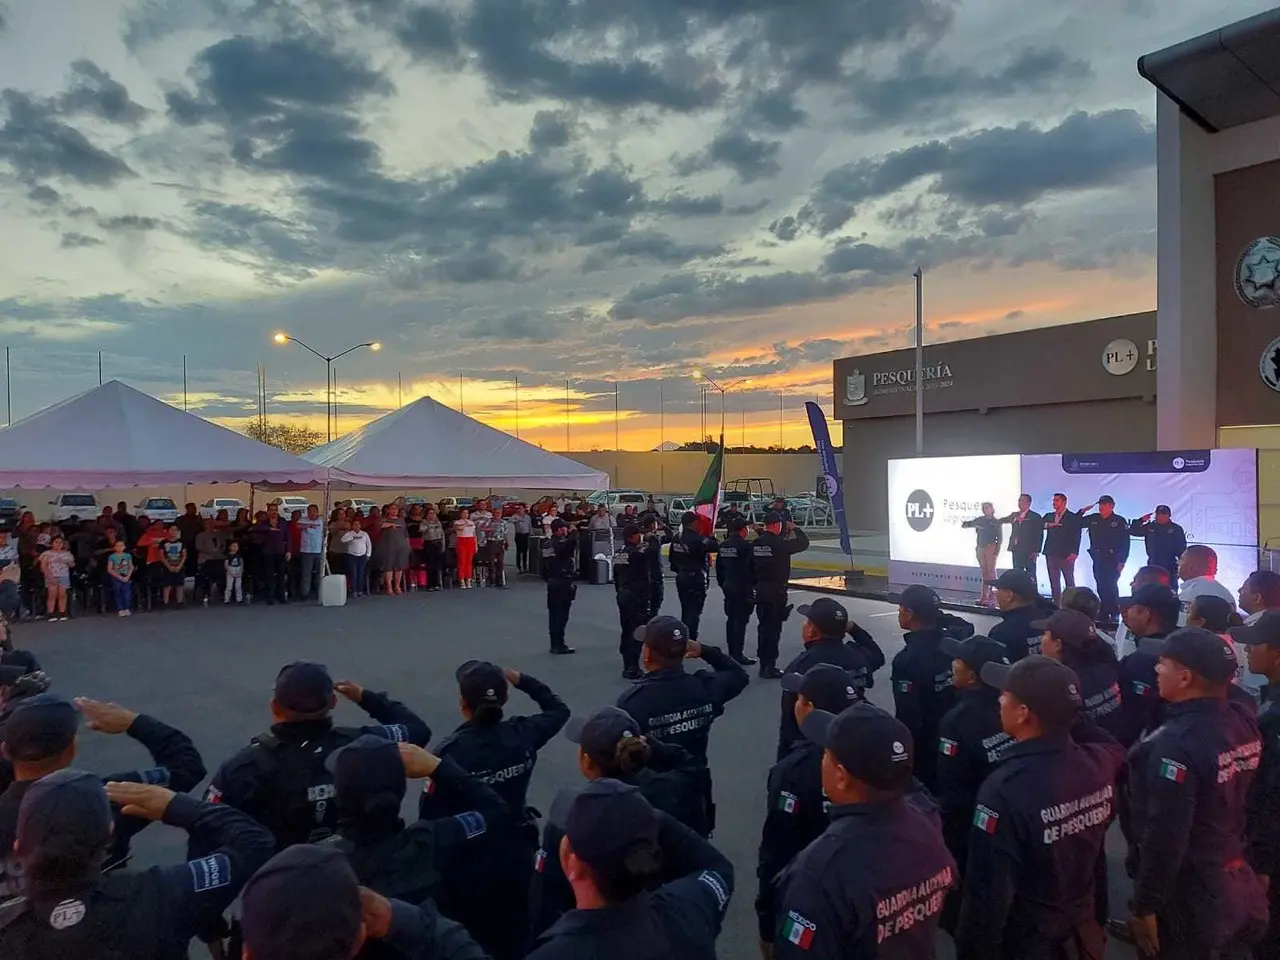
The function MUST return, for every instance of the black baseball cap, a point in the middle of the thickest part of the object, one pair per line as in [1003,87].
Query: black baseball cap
[868,742]
[1106,498]
[482,683]
[668,637]
[1072,627]
[304,686]
[1159,599]
[40,727]
[599,733]
[67,809]
[606,822]
[1201,651]
[367,769]
[304,903]
[1049,689]
[975,651]
[734,524]
[1164,508]
[10,674]
[629,531]
[920,599]
[1019,583]
[773,516]
[829,616]
[1264,630]
[20,658]
[825,685]
[558,524]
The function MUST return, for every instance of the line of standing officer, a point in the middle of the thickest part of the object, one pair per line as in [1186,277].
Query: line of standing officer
[733,573]
[771,554]
[631,589]
[1109,544]
[1165,541]
[654,537]
[558,554]
[688,557]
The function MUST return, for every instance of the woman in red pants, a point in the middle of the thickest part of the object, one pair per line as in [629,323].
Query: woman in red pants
[465,529]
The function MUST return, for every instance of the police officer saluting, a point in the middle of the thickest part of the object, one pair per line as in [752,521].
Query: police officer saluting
[654,538]
[874,883]
[1039,824]
[73,911]
[1166,541]
[1194,894]
[797,810]
[771,554]
[558,553]
[688,558]
[733,573]
[1109,547]
[631,587]
[824,631]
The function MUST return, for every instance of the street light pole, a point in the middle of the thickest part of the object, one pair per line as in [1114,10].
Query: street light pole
[723,390]
[330,386]
[517,379]
[919,275]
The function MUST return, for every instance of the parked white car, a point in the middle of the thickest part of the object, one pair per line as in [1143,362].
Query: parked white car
[68,505]
[618,500]
[288,505]
[363,504]
[162,509]
[209,509]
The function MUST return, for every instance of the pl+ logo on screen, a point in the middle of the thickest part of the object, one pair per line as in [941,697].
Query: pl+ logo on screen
[919,511]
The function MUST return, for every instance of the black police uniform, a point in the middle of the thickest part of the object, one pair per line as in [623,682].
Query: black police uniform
[688,558]
[487,887]
[631,588]
[148,915]
[1165,543]
[1263,818]
[1038,828]
[1109,547]
[1026,539]
[1100,691]
[557,570]
[653,542]
[797,816]
[1188,784]
[733,573]
[970,743]
[178,766]
[860,657]
[1014,630]
[771,555]
[1140,704]
[922,694]
[680,920]
[280,779]
[872,885]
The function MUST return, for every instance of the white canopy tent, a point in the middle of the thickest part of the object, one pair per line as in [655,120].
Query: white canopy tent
[116,436]
[427,445]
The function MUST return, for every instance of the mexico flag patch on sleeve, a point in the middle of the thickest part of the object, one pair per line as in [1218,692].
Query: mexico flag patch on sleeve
[787,802]
[798,930]
[1172,770]
[948,748]
[986,819]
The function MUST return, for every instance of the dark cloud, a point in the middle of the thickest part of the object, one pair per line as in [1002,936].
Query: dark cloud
[683,205]
[775,110]
[76,241]
[44,195]
[679,296]
[130,221]
[39,145]
[93,91]
[854,257]
[749,157]
[538,326]
[652,246]
[479,265]
[250,229]
[551,129]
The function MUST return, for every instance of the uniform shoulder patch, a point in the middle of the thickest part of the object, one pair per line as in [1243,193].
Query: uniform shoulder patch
[67,914]
[903,686]
[799,930]
[540,861]
[1173,770]
[788,802]
[986,819]
[210,873]
[213,794]
[156,776]
[394,731]
[948,748]
[718,887]
[472,822]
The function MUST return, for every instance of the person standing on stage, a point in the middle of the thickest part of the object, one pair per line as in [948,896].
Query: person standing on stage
[1109,548]
[1026,540]
[1061,545]
[558,554]
[733,573]
[1166,541]
[990,534]
[688,558]
[631,586]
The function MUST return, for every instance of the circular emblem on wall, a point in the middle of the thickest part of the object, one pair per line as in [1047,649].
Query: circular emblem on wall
[1120,357]
[1258,274]
[920,509]
[1269,365]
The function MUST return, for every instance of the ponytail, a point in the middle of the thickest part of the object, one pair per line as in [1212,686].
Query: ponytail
[631,755]
[487,715]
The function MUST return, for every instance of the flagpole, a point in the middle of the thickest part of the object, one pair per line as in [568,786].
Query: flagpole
[517,380]
[919,362]
[566,416]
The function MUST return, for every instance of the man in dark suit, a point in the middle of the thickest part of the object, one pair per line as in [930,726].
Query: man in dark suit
[1027,538]
[1061,545]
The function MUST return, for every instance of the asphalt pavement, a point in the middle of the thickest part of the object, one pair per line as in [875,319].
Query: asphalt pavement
[210,672]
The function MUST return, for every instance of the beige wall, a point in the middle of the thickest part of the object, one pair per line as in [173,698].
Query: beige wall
[1267,442]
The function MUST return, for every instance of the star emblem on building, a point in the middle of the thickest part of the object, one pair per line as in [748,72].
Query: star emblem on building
[1258,273]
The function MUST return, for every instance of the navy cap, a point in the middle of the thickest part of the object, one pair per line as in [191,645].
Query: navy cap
[599,733]
[10,674]
[558,524]
[629,531]
[304,686]
[1201,651]
[482,683]
[870,743]
[824,685]
[368,768]
[606,822]
[1106,498]
[67,809]
[20,658]
[668,637]
[40,727]
[1049,689]
[1071,627]
[830,617]
[1264,630]
[773,516]
[920,599]
[1159,599]
[303,904]
[1164,508]
[974,652]
[1019,583]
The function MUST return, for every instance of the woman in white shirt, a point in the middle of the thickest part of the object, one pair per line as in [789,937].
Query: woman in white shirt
[359,546]
[465,529]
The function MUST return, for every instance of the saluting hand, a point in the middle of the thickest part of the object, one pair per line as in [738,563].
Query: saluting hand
[105,717]
[145,800]
[693,651]
[513,676]
[351,690]
[418,762]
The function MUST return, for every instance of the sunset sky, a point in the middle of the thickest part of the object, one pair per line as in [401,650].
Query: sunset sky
[550,190]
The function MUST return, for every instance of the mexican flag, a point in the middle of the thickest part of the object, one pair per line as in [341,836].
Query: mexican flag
[706,502]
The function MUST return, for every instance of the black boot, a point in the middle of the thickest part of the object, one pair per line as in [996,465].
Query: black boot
[563,650]
[743,660]
[769,671]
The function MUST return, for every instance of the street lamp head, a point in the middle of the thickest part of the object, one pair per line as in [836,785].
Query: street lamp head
[281,338]
[375,346]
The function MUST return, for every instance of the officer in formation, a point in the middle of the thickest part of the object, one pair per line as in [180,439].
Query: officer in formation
[1109,548]
[1071,638]
[829,637]
[558,555]
[796,811]
[1020,604]
[733,574]
[688,557]
[771,554]
[631,587]
[1166,541]
[655,536]
[1150,614]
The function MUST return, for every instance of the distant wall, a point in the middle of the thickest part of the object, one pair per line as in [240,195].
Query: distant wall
[1267,442]
[683,472]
